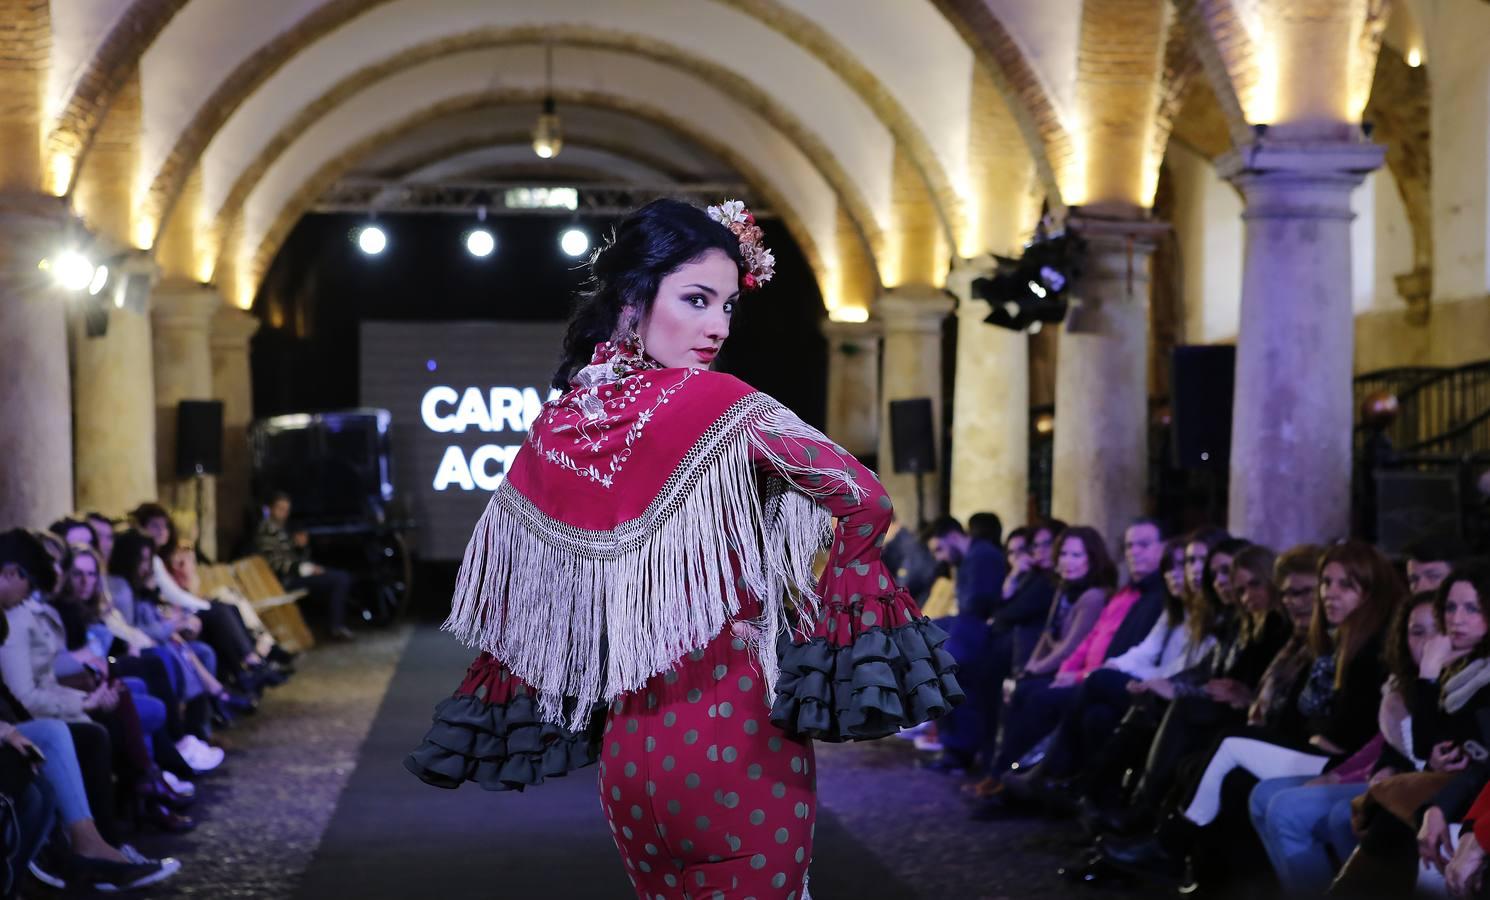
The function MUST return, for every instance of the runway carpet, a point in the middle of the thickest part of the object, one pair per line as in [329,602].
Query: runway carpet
[391,836]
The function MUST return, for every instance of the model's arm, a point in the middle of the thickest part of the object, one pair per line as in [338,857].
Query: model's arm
[867,662]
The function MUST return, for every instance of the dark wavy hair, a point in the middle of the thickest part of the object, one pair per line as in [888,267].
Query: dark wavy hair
[124,559]
[647,246]
[1382,591]
[1475,573]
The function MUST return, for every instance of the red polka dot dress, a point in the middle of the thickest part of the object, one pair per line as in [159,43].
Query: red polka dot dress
[706,700]
[705,797]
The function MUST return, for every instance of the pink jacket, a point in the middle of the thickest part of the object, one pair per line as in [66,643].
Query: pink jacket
[1090,653]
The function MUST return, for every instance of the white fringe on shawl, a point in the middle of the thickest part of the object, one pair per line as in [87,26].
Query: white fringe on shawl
[584,616]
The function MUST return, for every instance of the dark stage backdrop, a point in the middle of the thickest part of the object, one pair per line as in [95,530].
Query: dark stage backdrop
[462,395]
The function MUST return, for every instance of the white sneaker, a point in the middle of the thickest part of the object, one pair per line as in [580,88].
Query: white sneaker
[199,755]
[180,785]
[915,731]
[929,744]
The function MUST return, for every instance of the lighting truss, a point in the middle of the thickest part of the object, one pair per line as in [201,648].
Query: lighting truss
[515,198]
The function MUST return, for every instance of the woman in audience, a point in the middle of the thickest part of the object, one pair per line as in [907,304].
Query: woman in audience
[1452,695]
[188,662]
[1305,823]
[87,609]
[1087,578]
[1043,539]
[1359,592]
[218,624]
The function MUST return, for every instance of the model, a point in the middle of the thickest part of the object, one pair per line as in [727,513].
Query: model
[641,585]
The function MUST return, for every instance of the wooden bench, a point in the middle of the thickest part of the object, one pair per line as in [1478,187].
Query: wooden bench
[255,580]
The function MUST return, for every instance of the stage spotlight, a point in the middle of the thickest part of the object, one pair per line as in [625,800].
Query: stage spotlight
[100,278]
[72,270]
[574,242]
[480,243]
[372,240]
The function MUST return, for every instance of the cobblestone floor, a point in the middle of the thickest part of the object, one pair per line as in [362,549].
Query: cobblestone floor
[260,820]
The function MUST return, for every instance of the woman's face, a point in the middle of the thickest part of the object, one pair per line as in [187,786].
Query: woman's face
[1073,561]
[159,529]
[1041,545]
[1463,617]
[1299,591]
[184,566]
[145,568]
[83,577]
[1339,593]
[1421,626]
[1254,594]
[1221,577]
[1174,573]
[690,318]
[1195,554]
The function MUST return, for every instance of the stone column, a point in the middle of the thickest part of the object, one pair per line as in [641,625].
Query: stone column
[182,318]
[1101,384]
[1292,412]
[990,407]
[35,391]
[912,317]
[233,385]
[114,402]
[853,385]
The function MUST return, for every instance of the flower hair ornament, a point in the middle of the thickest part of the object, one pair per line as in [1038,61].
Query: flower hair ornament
[760,265]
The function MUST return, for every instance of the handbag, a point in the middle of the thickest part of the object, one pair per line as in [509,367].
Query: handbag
[1400,795]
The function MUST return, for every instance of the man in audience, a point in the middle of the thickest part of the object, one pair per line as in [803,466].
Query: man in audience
[980,571]
[289,556]
[910,560]
[1429,563]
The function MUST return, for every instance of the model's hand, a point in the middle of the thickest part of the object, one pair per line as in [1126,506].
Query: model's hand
[1434,845]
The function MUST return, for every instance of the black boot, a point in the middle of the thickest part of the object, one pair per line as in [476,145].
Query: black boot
[1098,820]
[1161,855]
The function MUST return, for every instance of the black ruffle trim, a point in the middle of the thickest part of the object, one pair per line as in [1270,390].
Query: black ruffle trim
[502,747]
[883,682]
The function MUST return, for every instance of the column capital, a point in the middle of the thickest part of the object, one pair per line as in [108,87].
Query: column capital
[1107,233]
[33,226]
[913,307]
[1299,179]
[184,304]
[852,331]
[232,327]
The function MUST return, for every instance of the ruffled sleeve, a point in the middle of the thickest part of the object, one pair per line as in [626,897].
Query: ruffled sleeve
[489,732]
[865,662]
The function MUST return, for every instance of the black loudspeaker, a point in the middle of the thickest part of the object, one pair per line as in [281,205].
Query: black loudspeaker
[911,435]
[198,438]
[1416,506]
[1202,378]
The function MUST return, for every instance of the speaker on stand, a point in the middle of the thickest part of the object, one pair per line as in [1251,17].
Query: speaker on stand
[199,447]
[913,445]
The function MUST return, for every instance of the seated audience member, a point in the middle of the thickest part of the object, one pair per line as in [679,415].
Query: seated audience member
[89,620]
[74,531]
[979,564]
[1020,617]
[288,555]
[910,559]
[189,662]
[25,568]
[245,629]
[1087,578]
[1182,637]
[1305,823]
[1429,563]
[1449,720]
[1359,593]
[1044,536]
[217,624]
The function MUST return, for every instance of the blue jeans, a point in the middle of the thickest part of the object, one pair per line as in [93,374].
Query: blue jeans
[1298,825]
[36,808]
[60,771]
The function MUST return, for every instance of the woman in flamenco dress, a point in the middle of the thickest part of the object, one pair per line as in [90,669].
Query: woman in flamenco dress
[641,585]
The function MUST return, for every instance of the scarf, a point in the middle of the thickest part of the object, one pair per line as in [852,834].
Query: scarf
[633,525]
[1461,687]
